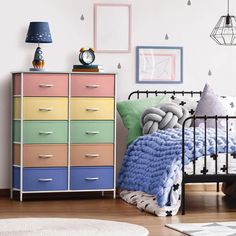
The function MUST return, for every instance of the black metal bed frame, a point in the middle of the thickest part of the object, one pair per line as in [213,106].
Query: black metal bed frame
[204,177]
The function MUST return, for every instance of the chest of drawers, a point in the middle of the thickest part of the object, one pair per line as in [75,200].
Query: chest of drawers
[63,132]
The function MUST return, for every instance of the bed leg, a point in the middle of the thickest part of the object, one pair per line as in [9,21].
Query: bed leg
[183,199]
[217,187]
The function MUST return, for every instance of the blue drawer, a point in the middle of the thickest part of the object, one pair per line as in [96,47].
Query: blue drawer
[43,179]
[16,177]
[86,178]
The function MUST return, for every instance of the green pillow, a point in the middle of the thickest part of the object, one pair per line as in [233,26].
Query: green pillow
[131,110]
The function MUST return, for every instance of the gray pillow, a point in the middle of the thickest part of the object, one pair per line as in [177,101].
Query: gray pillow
[210,105]
[164,116]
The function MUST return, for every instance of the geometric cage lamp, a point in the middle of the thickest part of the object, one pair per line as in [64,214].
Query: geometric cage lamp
[224,33]
[38,32]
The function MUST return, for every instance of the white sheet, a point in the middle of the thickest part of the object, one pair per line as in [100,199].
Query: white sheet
[146,202]
[210,165]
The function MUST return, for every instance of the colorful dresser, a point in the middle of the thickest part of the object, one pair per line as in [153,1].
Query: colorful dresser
[63,132]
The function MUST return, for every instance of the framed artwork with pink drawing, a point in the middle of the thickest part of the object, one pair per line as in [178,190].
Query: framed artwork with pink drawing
[159,64]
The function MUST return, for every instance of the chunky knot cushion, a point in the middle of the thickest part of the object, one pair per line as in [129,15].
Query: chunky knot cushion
[164,116]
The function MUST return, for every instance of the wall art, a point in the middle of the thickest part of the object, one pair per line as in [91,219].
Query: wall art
[159,64]
[112,28]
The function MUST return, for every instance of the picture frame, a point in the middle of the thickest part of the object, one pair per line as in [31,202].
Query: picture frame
[108,32]
[159,64]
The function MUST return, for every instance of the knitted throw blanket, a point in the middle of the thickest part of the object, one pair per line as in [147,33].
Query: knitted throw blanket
[152,161]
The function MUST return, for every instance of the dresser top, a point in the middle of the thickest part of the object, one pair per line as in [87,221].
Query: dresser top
[62,72]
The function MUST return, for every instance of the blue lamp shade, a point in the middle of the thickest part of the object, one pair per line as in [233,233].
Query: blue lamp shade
[38,32]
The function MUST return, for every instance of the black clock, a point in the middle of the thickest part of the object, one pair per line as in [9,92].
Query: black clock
[86,56]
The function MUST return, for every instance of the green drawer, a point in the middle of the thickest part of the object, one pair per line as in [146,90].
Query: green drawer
[42,131]
[16,131]
[92,131]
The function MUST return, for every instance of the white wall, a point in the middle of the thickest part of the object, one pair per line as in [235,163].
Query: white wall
[151,20]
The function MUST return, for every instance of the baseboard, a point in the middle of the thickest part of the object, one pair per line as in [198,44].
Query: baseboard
[4,192]
[211,187]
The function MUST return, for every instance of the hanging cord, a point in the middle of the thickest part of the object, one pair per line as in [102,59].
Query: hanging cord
[227,21]
[228,7]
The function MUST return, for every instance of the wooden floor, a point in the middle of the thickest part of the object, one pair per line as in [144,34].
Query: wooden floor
[200,207]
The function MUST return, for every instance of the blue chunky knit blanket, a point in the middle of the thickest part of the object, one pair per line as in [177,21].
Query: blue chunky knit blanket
[152,161]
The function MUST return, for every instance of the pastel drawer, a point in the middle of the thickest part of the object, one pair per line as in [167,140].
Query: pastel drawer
[41,155]
[16,177]
[93,85]
[16,108]
[43,179]
[16,131]
[41,132]
[87,178]
[42,84]
[42,108]
[92,131]
[91,155]
[16,83]
[92,108]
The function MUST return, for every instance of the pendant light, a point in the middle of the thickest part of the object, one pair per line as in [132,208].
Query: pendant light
[224,32]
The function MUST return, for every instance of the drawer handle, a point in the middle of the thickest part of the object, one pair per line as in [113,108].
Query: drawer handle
[92,86]
[92,109]
[45,109]
[92,132]
[45,180]
[46,85]
[45,133]
[91,155]
[45,156]
[92,179]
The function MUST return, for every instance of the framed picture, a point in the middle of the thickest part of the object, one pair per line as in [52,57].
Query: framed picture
[159,64]
[112,34]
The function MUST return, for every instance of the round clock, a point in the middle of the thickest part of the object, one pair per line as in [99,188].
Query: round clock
[86,56]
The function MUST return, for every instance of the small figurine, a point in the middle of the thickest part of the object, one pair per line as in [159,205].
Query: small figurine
[38,61]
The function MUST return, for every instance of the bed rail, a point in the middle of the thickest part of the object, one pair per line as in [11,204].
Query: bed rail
[147,93]
[204,177]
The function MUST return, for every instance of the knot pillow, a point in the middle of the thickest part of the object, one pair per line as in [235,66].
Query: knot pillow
[163,117]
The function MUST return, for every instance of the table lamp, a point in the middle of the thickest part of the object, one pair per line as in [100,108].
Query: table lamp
[38,32]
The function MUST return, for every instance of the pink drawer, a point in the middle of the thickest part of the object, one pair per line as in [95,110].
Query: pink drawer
[42,85]
[16,84]
[92,85]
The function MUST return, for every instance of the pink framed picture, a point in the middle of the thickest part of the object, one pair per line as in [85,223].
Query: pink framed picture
[112,34]
[159,64]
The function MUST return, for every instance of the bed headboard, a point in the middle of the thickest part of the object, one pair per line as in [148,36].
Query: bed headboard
[147,93]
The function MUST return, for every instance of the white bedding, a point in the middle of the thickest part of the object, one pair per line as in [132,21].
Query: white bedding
[146,202]
[210,165]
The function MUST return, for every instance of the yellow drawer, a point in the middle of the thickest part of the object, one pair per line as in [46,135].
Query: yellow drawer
[92,108]
[42,108]
[17,109]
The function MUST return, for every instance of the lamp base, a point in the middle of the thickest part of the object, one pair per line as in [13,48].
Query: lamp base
[38,62]
[37,69]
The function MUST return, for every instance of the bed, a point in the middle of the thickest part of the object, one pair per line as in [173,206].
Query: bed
[212,160]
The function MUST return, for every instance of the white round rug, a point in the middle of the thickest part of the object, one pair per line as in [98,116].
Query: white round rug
[68,227]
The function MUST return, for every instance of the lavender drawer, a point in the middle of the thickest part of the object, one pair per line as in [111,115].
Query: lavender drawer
[87,178]
[42,179]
